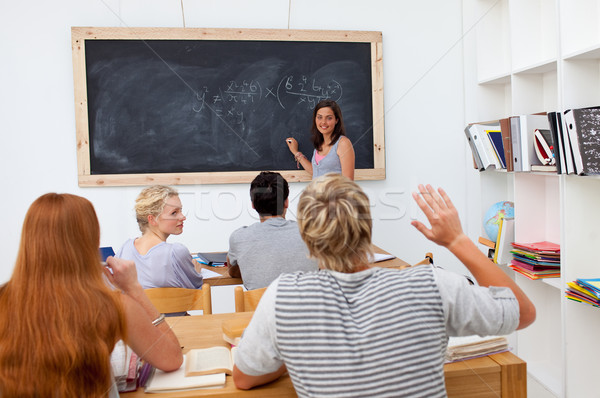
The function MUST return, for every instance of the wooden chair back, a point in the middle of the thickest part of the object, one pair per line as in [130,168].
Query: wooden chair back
[427,260]
[177,299]
[247,300]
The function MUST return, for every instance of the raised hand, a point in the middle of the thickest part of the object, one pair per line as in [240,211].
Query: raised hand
[442,215]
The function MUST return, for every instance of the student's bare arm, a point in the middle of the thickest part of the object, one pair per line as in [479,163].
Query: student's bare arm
[347,157]
[446,231]
[156,344]
[246,382]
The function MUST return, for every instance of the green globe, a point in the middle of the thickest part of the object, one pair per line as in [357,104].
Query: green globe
[491,220]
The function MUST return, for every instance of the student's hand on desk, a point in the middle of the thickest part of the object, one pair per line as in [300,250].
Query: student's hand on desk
[442,215]
[124,274]
[234,271]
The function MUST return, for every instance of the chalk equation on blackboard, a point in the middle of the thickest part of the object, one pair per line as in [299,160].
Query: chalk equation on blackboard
[307,91]
[231,101]
[216,105]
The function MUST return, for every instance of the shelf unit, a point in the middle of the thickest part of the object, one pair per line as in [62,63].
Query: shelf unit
[522,57]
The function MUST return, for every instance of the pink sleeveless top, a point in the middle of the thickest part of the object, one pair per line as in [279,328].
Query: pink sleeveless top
[318,157]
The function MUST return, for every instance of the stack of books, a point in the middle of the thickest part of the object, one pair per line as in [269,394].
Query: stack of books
[560,142]
[536,260]
[584,291]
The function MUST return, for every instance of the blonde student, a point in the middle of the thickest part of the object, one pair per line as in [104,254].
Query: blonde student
[59,319]
[159,214]
[352,330]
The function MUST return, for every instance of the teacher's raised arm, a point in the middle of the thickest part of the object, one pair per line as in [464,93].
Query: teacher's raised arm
[333,152]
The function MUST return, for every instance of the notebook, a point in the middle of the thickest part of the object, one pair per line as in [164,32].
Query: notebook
[105,252]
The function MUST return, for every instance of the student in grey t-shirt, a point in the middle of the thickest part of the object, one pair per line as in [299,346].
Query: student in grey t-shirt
[259,253]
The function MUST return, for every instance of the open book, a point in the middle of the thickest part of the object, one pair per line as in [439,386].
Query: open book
[161,381]
[205,361]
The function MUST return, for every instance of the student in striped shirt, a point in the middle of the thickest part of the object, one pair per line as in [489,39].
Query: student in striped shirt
[353,330]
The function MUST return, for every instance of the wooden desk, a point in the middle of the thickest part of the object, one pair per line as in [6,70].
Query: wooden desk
[203,331]
[225,279]
[222,280]
[393,263]
[500,375]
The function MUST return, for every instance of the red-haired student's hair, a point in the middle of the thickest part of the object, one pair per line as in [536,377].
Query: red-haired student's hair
[59,320]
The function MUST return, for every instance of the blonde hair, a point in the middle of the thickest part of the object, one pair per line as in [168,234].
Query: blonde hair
[334,218]
[151,202]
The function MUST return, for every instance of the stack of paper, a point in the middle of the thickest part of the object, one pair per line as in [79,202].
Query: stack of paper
[536,260]
[467,347]
[584,291]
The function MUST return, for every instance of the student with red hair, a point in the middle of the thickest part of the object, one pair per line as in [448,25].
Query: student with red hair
[59,317]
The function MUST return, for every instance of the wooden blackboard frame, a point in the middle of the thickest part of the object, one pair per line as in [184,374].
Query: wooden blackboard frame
[79,36]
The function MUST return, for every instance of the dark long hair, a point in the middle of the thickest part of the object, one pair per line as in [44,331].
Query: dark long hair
[339,130]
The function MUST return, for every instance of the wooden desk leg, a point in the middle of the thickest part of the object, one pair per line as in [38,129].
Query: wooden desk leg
[514,375]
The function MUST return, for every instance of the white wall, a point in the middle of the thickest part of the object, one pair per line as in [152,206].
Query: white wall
[423,93]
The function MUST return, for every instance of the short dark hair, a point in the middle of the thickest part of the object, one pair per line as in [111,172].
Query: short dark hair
[268,192]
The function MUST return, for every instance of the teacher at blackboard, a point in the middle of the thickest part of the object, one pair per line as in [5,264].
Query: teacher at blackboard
[333,151]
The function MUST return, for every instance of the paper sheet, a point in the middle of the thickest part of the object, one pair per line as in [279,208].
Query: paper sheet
[381,257]
[206,273]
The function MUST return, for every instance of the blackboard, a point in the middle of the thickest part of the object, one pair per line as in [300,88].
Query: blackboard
[159,106]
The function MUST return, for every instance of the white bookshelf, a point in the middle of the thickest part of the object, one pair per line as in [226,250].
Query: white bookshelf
[522,57]
[533,32]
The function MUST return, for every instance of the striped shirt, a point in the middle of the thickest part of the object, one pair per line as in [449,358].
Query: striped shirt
[381,336]
[377,332]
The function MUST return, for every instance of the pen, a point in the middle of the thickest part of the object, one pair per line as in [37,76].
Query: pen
[107,267]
